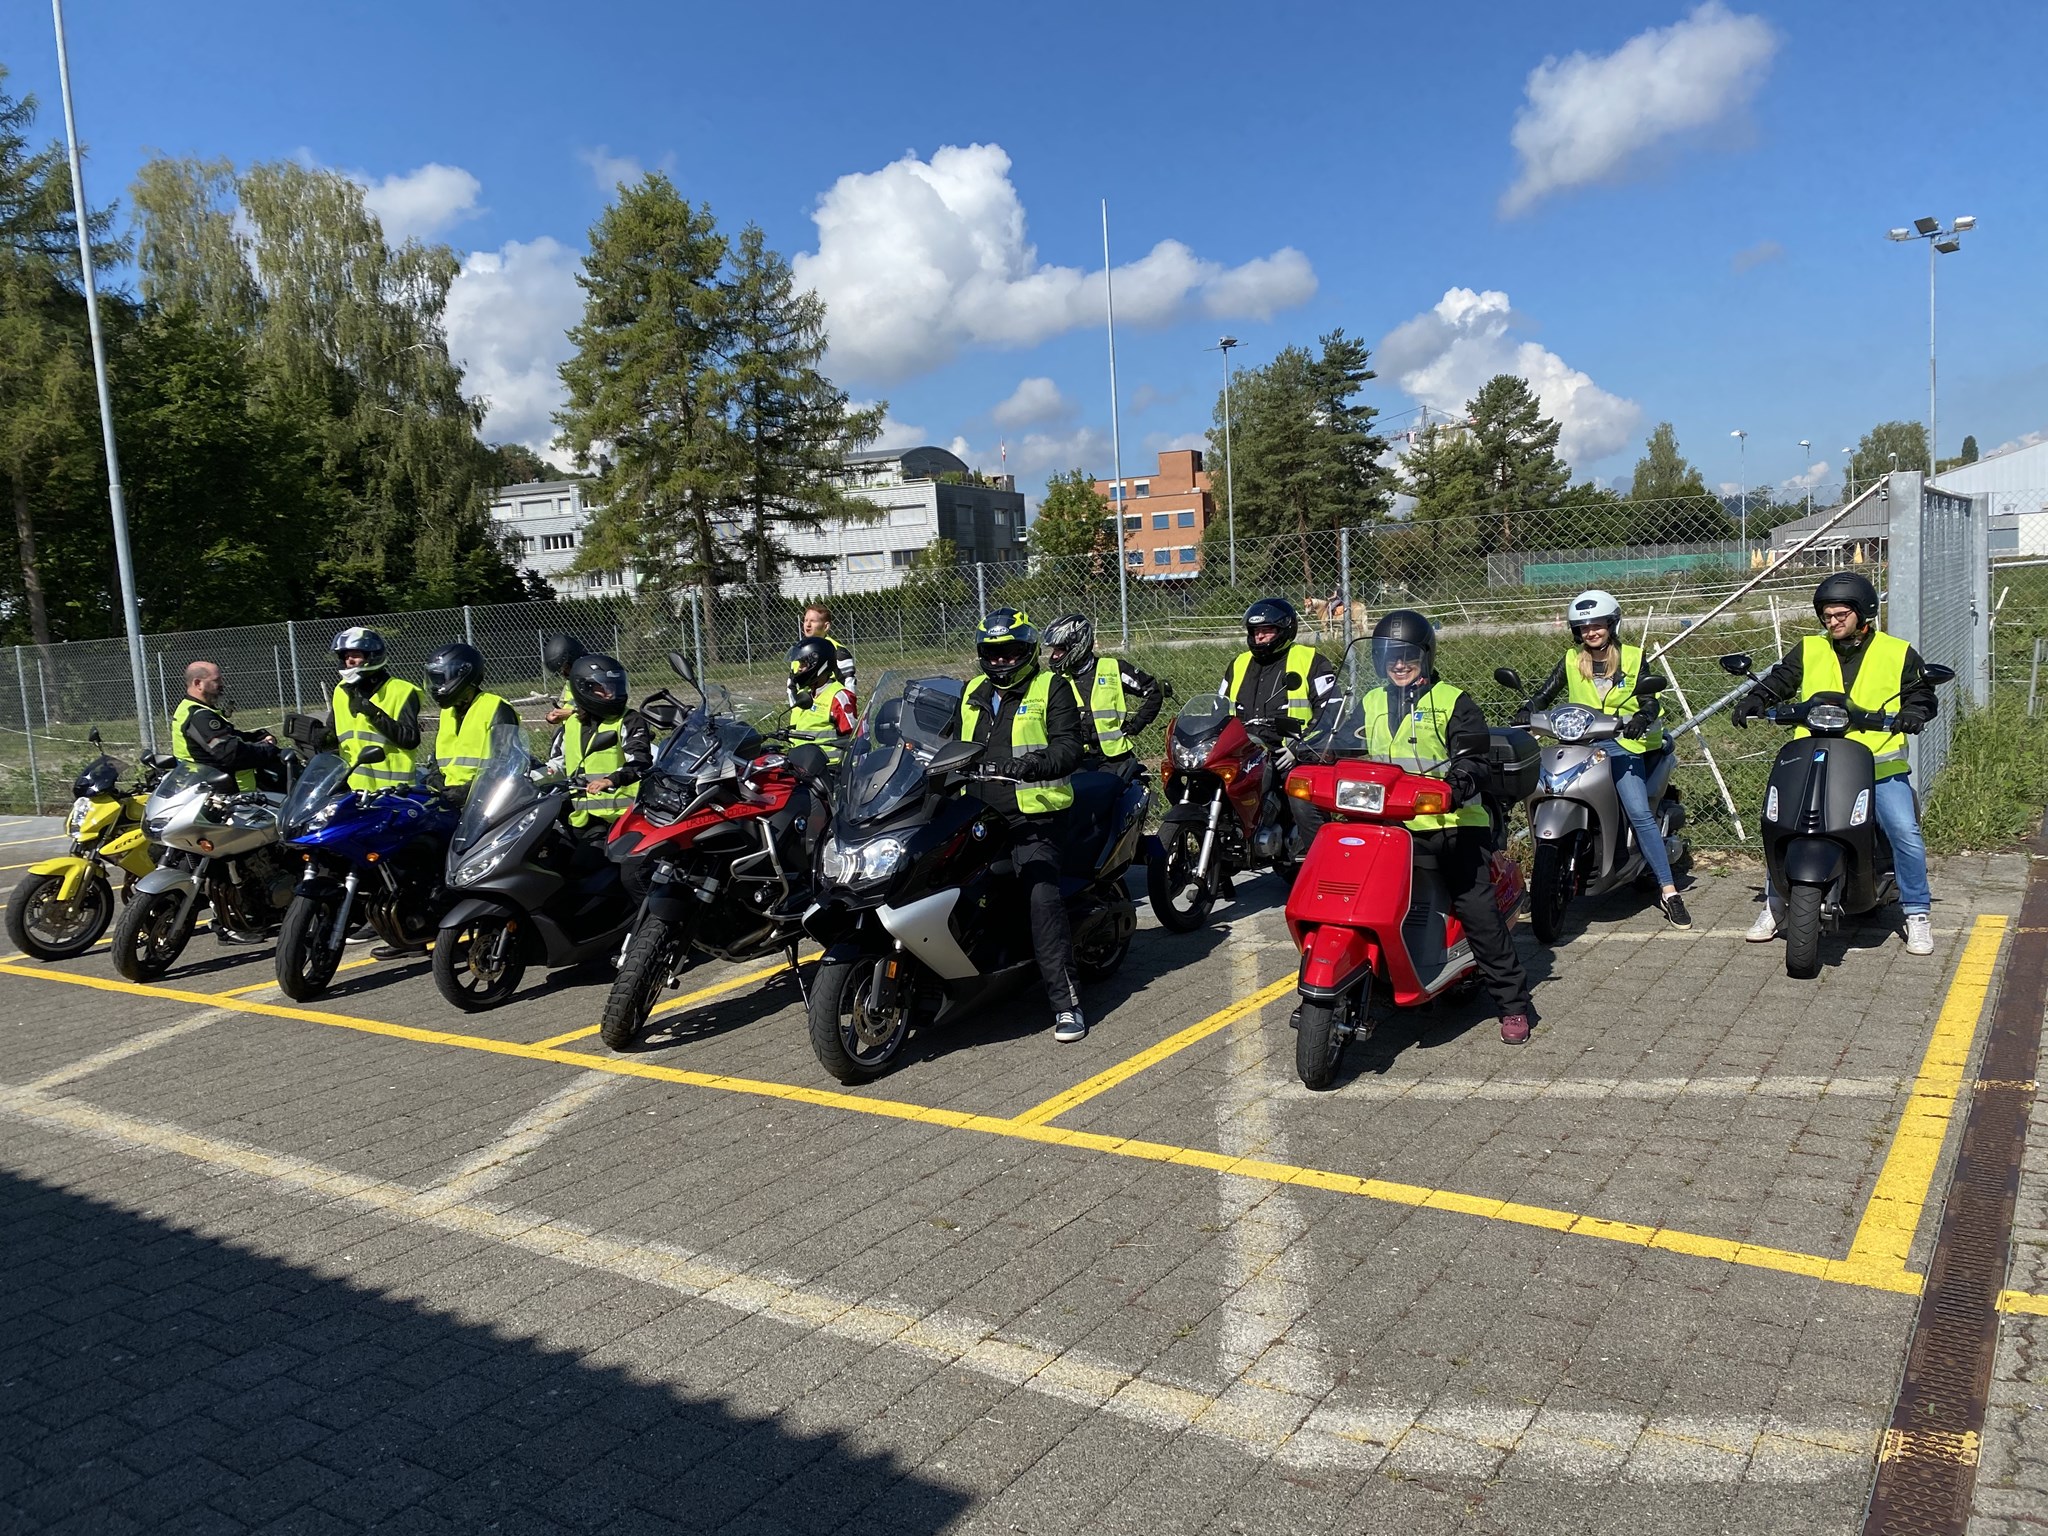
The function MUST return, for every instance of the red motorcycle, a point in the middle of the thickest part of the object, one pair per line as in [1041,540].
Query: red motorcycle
[1220,820]
[1368,906]
[724,832]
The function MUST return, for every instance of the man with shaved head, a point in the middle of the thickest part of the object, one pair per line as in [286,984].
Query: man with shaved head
[202,737]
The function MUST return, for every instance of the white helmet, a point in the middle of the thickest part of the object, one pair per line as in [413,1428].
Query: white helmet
[1594,606]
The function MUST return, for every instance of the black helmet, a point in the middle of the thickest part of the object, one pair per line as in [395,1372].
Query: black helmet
[1851,591]
[1271,613]
[454,673]
[1403,635]
[1070,643]
[367,641]
[1007,645]
[812,662]
[558,651]
[598,685]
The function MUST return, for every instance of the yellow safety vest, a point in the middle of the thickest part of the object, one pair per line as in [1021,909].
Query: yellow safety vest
[181,749]
[1027,730]
[1621,696]
[1878,683]
[1418,745]
[607,805]
[355,732]
[462,742]
[1299,659]
[1107,705]
[812,724]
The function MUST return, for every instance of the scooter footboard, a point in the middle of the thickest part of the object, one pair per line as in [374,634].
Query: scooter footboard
[1332,958]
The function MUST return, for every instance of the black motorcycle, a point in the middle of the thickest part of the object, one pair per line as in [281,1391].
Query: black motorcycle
[524,889]
[1828,857]
[918,908]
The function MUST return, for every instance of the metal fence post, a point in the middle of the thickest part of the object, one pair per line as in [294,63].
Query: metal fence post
[35,782]
[163,685]
[980,587]
[747,635]
[277,660]
[2034,677]
[1980,591]
[1344,593]
[697,630]
[43,686]
[291,635]
[468,629]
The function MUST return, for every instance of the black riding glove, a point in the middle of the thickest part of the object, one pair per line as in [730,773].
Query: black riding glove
[1745,709]
[1520,717]
[1639,722]
[1909,722]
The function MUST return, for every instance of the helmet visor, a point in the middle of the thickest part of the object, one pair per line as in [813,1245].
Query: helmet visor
[1389,654]
[1006,655]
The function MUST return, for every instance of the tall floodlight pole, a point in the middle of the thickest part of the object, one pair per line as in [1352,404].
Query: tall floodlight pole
[1229,458]
[131,613]
[1742,459]
[1848,473]
[1806,447]
[1942,242]
[1116,442]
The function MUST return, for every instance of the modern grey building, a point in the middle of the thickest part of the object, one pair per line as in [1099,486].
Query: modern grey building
[2016,480]
[547,518]
[924,494]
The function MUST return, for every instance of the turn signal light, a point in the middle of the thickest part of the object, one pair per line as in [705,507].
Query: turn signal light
[1301,787]
[1227,772]
[1431,802]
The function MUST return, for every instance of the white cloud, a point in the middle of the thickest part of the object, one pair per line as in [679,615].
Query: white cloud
[608,169]
[1169,442]
[1756,255]
[920,258]
[1443,356]
[1038,455]
[1798,485]
[1033,401]
[2025,440]
[1589,115]
[421,204]
[509,312]
[895,434]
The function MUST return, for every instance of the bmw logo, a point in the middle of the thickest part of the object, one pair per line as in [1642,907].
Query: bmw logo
[979,832]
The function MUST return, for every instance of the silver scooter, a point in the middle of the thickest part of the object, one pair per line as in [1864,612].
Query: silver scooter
[1585,843]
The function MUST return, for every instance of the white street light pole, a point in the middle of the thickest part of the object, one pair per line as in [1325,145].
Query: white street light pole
[1848,473]
[1116,444]
[124,560]
[1944,242]
[1229,459]
[1742,459]
[1808,447]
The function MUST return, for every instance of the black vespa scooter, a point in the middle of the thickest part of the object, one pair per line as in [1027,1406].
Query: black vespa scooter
[1827,854]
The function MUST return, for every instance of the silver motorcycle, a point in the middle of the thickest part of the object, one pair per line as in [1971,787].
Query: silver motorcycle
[223,854]
[1585,843]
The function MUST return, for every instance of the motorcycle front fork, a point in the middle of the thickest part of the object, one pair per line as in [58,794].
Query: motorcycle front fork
[1209,840]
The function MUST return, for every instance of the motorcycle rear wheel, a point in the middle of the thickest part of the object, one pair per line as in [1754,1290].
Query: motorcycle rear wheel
[1180,902]
[1802,932]
[32,930]
[476,984]
[306,961]
[1550,891]
[151,935]
[853,1042]
[629,1004]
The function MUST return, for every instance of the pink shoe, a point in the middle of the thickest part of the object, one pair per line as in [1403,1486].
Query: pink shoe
[1514,1029]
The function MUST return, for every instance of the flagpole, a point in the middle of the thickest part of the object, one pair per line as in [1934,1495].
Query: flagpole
[1116,445]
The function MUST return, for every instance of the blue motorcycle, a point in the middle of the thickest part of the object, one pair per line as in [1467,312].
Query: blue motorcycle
[372,856]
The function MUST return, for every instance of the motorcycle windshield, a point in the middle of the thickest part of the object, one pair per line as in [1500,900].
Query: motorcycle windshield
[906,720]
[186,780]
[324,781]
[1201,719]
[504,787]
[1336,732]
[709,743]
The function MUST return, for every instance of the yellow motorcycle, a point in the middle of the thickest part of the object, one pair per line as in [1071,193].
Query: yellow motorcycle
[63,905]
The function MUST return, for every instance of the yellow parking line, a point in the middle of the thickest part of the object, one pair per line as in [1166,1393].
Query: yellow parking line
[1698,1245]
[684,1001]
[2023,1301]
[23,842]
[258,986]
[1124,1071]
[1884,1237]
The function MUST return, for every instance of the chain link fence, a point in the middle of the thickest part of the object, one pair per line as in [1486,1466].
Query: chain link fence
[1496,585]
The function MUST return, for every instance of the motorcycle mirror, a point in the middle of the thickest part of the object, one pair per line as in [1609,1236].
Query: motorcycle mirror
[954,756]
[373,753]
[603,741]
[93,736]
[1508,677]
[1166,688]
[680,664]
[1652,684]
[1737,665]
[1293,681]
[1937,673]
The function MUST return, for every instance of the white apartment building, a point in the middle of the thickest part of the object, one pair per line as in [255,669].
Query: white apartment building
[547,518]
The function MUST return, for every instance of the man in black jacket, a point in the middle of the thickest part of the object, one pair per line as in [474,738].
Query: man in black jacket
[1031,722]
[201,734]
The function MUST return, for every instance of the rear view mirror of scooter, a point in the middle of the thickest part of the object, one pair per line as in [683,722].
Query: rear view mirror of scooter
[1508,677]
[1937,673]
[1650,682]
[1737,665]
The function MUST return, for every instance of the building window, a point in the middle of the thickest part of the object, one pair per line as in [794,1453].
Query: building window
[906,517]
[901,559]
[1135,557]
[1143,488]
[1116,492]
[1162,556]
[1158,520]
[558,541]
[1133,524]
[1186,519]
[859,565]
[1187,554]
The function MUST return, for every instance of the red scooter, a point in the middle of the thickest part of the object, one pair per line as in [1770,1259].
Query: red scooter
[1368,906]
[1220,820]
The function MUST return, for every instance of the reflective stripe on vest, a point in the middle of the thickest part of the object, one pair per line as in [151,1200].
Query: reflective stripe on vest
[812,725]
[1027,730]
[181,749]
[1300,658]
[1419,746]
[462,743]
[355,732]
[606,805]
[1107,706]
[1879,682]
[1621,696]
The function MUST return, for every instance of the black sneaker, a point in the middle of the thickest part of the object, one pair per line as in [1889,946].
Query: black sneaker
[1068,1026]
[394,952]
[1674,911]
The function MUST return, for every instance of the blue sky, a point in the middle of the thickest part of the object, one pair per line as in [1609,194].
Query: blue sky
[1686,225]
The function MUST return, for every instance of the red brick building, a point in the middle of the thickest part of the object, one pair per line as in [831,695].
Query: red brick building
[1165,516]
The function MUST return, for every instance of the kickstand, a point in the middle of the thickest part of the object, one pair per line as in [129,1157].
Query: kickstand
[796,970]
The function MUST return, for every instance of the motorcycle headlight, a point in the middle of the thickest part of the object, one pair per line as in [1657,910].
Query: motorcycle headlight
[80,809]
[862,863]
[1185,756]
[484,859]
[1827,717]
[1366,796]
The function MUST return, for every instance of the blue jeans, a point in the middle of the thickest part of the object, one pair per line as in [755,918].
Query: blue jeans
[1632,782]
[1899,814]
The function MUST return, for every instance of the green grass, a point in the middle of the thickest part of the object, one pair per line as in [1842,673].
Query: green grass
[1996,780]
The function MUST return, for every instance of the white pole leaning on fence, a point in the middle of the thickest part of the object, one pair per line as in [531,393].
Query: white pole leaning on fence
[1713,767]
[35,782]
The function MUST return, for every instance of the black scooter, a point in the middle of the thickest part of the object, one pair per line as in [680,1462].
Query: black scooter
[524,888]
[918,909]
[1828,856]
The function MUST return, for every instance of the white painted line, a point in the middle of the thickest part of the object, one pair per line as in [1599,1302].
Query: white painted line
[1655,1090]
[85,1066]
[522,1138]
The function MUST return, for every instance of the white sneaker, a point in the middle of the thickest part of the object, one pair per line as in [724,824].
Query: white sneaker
[1765,928]
[1919,934]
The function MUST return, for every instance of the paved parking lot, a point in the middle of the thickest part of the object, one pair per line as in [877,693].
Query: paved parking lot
[375,1262]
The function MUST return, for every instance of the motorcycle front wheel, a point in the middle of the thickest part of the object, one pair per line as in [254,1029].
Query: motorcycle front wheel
[1320,1031]
[1551,890]
[854,1041]
[1802,931]
[656,952]
[307,957]
[479,965]
[1180,901]
[41,925]
[152,933]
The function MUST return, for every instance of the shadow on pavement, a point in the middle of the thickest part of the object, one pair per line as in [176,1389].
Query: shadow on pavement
[157,1378]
